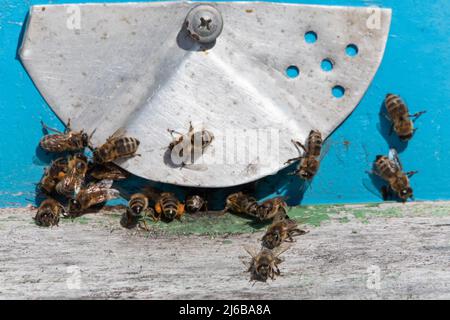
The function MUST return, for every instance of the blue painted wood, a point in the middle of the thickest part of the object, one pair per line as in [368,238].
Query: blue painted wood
[416,65]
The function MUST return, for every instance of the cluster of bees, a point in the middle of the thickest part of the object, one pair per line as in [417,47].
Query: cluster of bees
[264,264]
[84,182]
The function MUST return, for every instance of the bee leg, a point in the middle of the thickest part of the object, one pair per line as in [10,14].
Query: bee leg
[191,127]
[173,131]
[292,160]
[416,115]
[48,128]
[146,227]
[298,145]
[293,173]
[411,173]
[67,126]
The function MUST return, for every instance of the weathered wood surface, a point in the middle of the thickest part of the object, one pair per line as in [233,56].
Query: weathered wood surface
[410,251]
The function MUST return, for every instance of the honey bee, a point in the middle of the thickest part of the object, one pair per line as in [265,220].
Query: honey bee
[241,203]
[194,203]
[398,114]
[272,208]
[264,265]
[138,206]
[309,162]
[281,231]
[48,213]
[116,146]
[53,174]
[74,178]
[390,170]
[93,194]
[64,141]
[191,144]
[138,203]
[108,171]
[168,207]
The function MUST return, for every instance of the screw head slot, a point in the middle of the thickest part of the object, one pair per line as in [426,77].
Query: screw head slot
[204,23]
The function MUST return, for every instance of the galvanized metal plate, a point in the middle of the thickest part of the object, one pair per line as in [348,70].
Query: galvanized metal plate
[130,65]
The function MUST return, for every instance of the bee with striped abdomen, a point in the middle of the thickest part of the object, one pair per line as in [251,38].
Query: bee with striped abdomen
[74,178]
[93,194]
[48,213]
[116,146]
[241,203]
[281,231]
[398,115]
[390,170]
[64,141]
[53,174]
[138,206]
[309,162]
[167,207]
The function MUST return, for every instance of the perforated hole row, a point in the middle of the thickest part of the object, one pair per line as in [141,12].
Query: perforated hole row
[326,64]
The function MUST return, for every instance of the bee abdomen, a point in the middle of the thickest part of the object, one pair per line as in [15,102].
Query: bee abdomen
[395,105]
[138,203]
[126,145]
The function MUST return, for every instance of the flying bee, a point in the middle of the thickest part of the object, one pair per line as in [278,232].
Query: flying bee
[168,207]
[64,141]
[116,146]
[281,231]
[53,174]
[241,203]
[309,162]
[48,213]
[74,178]
[271,208]
[108,171]
[390,170]
[95,193]
[400,118]
[194,203]
[264,265]
[138,205]
[188,147]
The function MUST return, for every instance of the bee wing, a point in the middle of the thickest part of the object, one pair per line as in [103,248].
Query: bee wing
[281,249]
[118,133]
[393,155]
[95,187]
[325,148]
[251,251]
[57,140]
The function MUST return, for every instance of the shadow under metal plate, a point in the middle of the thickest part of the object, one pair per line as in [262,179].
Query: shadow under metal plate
[131,65]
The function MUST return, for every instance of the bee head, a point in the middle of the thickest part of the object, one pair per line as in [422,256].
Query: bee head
[137,210]
[74,205]
[406,193]
[170,214]
[389,95]
[305,174]
[263,270]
